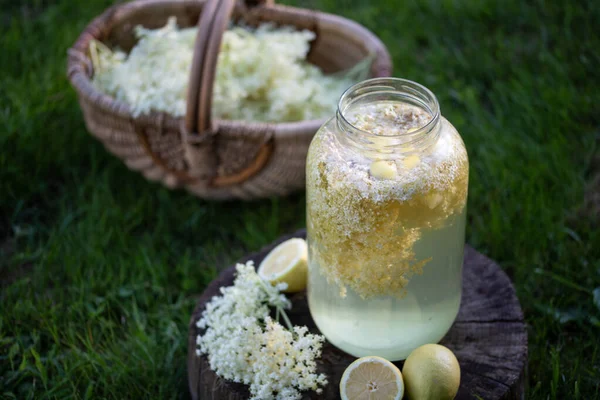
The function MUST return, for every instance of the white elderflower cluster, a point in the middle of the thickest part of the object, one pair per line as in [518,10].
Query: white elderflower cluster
[262,74]
[245,345]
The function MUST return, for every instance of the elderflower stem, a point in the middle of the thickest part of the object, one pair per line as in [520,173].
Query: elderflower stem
[279,310]
[287,321]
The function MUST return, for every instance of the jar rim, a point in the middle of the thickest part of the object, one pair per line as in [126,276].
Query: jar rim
[410,91]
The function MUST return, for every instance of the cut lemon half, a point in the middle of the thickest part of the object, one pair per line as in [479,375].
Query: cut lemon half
[288,262]
[372,378]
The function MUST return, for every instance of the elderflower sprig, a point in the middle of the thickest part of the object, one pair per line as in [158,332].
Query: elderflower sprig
[245,345]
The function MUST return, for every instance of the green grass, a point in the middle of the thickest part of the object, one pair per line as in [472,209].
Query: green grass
[100,269]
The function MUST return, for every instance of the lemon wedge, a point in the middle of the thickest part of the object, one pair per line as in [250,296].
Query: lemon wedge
[288,262]
[383,169]
[372,378]
[411,161]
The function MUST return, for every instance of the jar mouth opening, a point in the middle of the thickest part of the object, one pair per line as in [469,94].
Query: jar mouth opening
[390,90]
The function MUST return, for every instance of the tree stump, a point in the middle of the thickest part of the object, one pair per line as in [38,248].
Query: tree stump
[488,337]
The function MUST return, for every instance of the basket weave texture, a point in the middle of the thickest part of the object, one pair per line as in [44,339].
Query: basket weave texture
[213,159]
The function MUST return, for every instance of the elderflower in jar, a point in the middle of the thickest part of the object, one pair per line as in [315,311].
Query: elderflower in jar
[387,182]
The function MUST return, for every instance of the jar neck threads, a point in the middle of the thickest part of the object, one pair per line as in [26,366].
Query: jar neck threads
[389,91]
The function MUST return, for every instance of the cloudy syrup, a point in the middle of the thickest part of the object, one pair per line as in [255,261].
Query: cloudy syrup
[385,249]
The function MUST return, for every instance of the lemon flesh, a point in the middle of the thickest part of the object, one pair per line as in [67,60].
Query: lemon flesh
[431,372]
[288,262]
[371,378]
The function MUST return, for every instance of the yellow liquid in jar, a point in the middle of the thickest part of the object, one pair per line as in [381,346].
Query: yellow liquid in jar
[388,326]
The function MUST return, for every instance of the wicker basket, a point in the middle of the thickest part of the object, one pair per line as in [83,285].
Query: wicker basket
[213,159]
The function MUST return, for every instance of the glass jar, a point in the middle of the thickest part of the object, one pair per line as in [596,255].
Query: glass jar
[386,190]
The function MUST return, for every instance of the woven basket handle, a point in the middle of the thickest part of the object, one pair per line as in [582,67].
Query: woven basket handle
[199,126]
[211,27]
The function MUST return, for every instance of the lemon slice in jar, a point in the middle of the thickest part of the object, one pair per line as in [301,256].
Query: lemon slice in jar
[288,262]
[372,378]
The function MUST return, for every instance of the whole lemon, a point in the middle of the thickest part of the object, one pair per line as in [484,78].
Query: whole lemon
[431,372]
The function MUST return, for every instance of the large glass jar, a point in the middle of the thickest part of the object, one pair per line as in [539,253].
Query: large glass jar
[386,189]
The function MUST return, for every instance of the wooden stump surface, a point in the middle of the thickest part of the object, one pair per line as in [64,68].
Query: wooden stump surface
[488,337]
